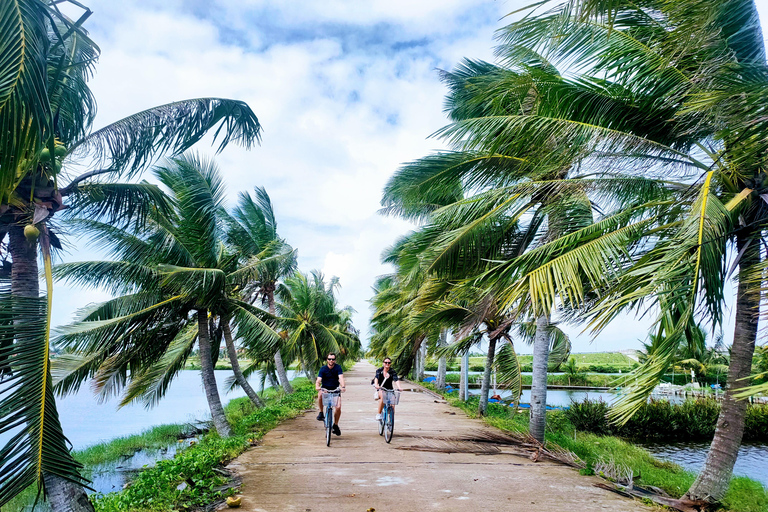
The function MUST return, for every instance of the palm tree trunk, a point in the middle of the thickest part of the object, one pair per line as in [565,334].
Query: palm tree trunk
[539,379]
[713,480]
[272,380]
[209,378]
[442,363]
[63,495]
[236,365]
[279,366]
[483,407]
[421,359]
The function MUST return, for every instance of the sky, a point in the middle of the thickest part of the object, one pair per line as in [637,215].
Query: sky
[346,91]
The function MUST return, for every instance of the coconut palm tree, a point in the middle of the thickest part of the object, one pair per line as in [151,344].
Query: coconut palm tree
[46,110]
[520,202]
[176,280]
[313,322]
[665,90]
[252,231]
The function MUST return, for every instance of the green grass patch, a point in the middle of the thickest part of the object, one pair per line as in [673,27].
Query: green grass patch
[744,494]
[154,438]
[193,478]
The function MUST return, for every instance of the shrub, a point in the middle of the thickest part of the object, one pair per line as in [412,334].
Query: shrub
[590,416]
[659,420]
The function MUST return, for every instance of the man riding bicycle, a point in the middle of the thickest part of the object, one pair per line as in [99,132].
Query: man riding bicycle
[386,378]
[330,378]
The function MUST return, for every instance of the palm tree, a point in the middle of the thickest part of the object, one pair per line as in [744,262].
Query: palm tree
[46,110]
[314,323]
[665,90]
[521,203]
[176,278]
[252,231]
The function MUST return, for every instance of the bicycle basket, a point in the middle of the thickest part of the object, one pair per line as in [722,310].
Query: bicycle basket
[330,399]
[391,397]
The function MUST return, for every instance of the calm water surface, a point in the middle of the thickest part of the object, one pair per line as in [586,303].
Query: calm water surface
[87,422]
[752,461]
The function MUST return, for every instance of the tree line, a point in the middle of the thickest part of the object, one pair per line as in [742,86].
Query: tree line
[185,271]
[611,161]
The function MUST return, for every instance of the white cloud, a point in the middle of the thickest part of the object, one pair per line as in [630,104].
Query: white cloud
[347,91]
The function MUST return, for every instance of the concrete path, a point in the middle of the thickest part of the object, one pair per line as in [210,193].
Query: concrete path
[293,470]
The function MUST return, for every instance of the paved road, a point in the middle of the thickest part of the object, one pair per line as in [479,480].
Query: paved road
[293,470]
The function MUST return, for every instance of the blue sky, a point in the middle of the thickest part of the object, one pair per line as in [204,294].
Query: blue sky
[346,90]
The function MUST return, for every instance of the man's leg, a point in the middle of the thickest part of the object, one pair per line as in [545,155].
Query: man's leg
[337,413]
[320,416]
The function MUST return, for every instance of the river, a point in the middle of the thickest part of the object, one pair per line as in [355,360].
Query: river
[86,422]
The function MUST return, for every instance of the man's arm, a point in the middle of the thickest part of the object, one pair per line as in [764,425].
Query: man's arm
[318,381]
[341,381]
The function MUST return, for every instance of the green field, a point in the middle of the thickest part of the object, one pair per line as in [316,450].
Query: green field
[615,360]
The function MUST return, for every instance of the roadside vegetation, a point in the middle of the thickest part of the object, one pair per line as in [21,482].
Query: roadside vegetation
[660,420]
[744,494]
[630,184]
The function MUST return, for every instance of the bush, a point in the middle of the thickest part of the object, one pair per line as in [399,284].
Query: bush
[756,424]
[590,416]
[659,420]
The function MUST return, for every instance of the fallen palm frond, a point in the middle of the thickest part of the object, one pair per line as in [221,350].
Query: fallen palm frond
[614,472]
[622,480]
[683,505]
[489,442]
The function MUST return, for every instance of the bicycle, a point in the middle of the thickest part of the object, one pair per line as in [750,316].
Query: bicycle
[387,421]
[330,401]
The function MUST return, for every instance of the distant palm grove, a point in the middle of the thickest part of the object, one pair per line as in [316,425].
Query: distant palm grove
[611,161]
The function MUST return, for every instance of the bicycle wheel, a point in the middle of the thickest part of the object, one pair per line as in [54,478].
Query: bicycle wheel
[328,425]
[382,420]
[390,424]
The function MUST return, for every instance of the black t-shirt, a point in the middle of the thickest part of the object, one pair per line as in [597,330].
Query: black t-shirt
[386,383]
[330,376]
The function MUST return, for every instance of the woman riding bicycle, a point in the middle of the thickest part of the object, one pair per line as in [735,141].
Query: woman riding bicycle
[386,378]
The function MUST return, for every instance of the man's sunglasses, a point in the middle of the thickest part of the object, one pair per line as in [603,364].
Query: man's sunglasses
[331,358]
[387,362]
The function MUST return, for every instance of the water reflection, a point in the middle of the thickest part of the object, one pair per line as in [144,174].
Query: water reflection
[752,461]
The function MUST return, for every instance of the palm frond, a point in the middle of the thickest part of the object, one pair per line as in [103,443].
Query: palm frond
[150,385]
[134,142]
[118,204]
[35,441]
[25,113]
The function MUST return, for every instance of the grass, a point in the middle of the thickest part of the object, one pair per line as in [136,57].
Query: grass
[157,488]
[193,478]
[744,494]
[154,438]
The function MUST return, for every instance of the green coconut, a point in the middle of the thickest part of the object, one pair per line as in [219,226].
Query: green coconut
[45,155]
[31,233]
[60,151]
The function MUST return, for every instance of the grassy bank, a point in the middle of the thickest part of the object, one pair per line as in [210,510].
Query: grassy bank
[744,494]
[194,478]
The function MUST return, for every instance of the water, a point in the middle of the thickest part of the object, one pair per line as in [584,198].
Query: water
[113,476]
[752,461]
[557,397]
[87,422]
